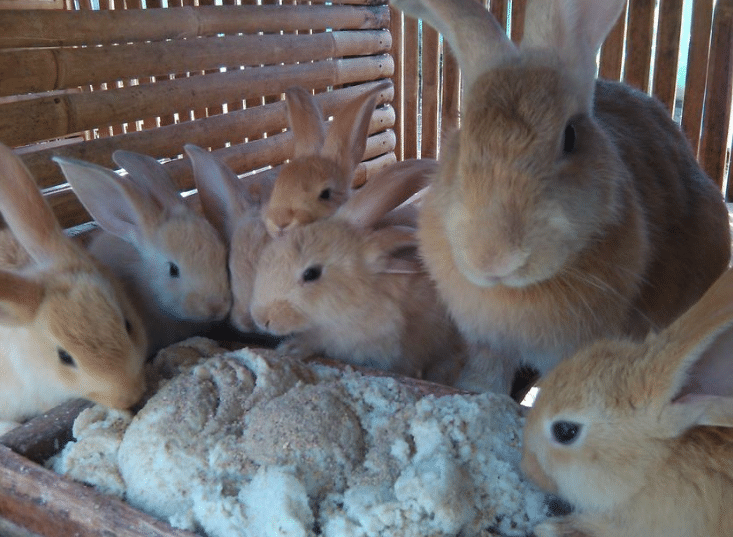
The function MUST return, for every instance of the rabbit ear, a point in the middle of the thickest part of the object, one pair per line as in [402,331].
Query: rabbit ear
[150,175]
[575,29]
[28,215]
[693,360]
[392,250]
[346,139]
[389,188]
[475,36]
[117,204]
[20,298]
[306,122]
[222,194]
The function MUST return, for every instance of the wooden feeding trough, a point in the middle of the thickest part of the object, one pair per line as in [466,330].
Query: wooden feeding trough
[82,78]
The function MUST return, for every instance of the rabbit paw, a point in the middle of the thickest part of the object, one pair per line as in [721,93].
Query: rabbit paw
[296,347]
[559,527]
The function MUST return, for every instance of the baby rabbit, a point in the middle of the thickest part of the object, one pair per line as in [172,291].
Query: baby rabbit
[339,286]
[317,180]
[638,436]
[67,329]
[227,204]
[171,260]
[565,208]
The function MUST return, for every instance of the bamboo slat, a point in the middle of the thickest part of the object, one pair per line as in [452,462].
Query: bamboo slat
[499,9]
[519,8]
[430,92]
[412,88]
[52,117]
[639,43]
[714,140]
[398,54]
[48,504]
[667,53]
[215,131]
[612,52]
[697,70]
[49,28]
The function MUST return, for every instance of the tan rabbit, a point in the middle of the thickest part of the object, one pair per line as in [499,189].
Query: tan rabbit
[228,205]
[171,260]
[638,436]
[343,286]
[317,180]
[566,208]
[67,329]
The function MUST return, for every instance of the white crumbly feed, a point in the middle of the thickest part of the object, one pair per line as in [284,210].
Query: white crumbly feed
[253,445]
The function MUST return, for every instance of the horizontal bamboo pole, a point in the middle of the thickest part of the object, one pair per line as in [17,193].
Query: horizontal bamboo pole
[36,70]
[49,28]
[252,155]
[215,131]
[52,117]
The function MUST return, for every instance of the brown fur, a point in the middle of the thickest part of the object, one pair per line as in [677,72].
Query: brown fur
[81,310]
[538,252]
[649,462]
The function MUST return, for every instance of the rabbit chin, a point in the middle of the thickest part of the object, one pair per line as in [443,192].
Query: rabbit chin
[279,319]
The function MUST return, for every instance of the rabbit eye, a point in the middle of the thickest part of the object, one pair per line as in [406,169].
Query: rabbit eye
[173,270]
[325,194]
[565,432]
[128,326]
[65,357]
[569,139]
[312,273]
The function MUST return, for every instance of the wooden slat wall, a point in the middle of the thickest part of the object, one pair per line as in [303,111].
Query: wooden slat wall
[641,50]
[84,82]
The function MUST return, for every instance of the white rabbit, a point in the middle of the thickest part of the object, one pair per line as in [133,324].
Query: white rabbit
[171,260]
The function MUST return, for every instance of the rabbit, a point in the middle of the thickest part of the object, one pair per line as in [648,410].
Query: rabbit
[318,179]
[229,205]
[565,208]
[170,259]
[638,435]
[67,329]
[342,286]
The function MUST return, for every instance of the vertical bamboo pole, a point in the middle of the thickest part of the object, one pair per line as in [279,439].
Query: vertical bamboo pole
[519,8]
[612,52]
[667,55]
[639,43]
[411,87]
[714,141]
[396,19]
[697,69]
[430,92]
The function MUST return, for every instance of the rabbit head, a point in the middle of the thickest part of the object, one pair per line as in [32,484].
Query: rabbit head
[530,177]
[619,418]
[182,259]
[66,328]
[317,180]
[228,205]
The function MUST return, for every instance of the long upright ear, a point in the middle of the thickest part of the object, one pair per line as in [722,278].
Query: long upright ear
[28,215]
[575,29]
[693,360]
[221,192]
[347,136]
[386,190]
[150,175]
[475,36]
[306,122]
[117,204]
[392,249]
[20,298]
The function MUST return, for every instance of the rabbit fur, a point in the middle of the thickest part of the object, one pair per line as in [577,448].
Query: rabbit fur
[566,208]
[638,436]
[318,178]
[170,259]
[340,287]
[67,329]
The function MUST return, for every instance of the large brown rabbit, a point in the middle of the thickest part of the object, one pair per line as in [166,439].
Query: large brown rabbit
[566,208]
[639,436]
